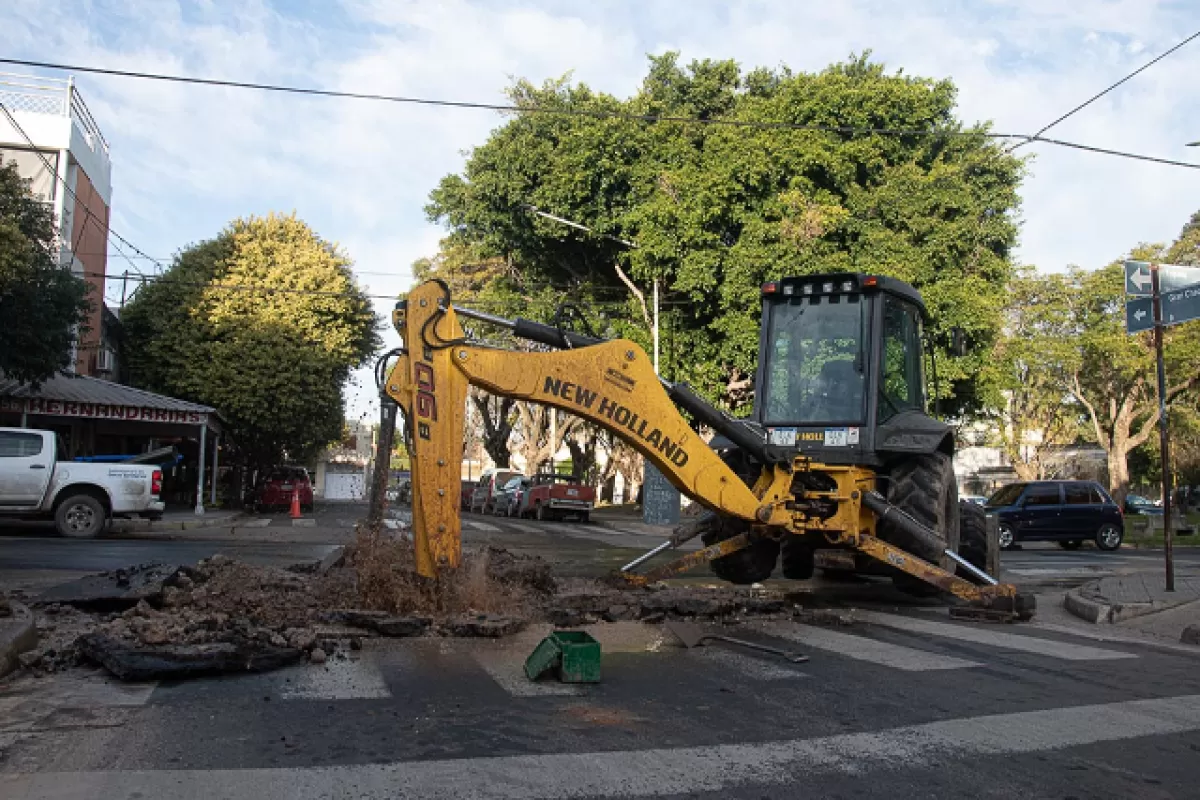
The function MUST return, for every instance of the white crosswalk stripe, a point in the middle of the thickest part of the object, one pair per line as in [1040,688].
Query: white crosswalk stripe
[746,666]
[712,770]
[862,648]
[476,525]
[994,638]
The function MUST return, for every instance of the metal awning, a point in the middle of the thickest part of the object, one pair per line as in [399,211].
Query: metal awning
[83,397]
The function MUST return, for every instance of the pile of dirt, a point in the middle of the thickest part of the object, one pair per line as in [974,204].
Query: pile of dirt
[490,580]
[222,615]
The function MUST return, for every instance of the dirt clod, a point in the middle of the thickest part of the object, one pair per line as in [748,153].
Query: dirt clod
[317,656]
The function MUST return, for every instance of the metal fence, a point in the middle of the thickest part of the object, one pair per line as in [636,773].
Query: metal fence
[39,95]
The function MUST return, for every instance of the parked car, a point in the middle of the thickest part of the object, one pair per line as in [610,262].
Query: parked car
[505,503]
[977,499]
[467,489]
[490,482]
[556,496]
[274,490]
[1136,504]
[1067,512]
[80,497]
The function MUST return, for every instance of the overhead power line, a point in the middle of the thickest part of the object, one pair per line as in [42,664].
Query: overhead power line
[1106,90]
[579,112]
[270,289]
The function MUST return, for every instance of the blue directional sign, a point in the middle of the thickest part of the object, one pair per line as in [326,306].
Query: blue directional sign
[1171,278]
[1139,314]
[1181,306]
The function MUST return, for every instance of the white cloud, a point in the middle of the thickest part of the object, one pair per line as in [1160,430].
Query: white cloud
[187,159]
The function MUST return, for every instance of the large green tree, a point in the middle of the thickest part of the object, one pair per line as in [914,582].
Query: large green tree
[1115,380]
[1026,385]
[263,322]
[42,304]
[716,210]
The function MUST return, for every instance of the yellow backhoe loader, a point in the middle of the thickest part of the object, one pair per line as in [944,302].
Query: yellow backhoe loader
[838,454]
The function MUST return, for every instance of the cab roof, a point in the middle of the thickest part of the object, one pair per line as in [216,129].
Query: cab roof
[863,282]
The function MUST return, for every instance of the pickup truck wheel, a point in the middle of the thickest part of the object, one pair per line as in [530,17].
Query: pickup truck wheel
[80,516]
[585,517]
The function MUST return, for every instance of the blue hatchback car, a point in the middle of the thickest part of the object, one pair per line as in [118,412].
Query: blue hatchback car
[1067,512]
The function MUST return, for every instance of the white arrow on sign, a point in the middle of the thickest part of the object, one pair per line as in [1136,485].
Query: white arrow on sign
[1141,312]
[1140,278]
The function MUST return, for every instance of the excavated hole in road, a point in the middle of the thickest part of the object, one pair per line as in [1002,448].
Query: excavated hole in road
[222,615]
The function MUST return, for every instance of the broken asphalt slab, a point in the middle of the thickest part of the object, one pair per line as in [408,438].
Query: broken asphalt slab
[18,634]
[131,662]
[117,590]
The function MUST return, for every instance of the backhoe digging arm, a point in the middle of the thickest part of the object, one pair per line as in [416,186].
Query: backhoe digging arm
[609,383]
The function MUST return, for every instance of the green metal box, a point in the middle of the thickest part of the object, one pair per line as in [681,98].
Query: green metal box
[573,655]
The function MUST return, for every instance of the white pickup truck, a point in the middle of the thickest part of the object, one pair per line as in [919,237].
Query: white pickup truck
[80,497]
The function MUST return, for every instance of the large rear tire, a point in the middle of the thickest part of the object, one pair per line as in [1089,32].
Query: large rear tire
[748,565]
[797,557]
[924,488]
[972,536]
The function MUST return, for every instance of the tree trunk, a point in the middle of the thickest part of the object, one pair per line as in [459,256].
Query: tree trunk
[496,415]
[583,455]
[1118,471]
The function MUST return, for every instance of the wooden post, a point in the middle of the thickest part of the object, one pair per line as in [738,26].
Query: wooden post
[992,565]
[383,458]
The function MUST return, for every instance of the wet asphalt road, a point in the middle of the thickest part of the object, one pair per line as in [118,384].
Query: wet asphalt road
[904,703]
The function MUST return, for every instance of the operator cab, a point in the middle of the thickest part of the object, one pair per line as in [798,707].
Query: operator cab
[841,372]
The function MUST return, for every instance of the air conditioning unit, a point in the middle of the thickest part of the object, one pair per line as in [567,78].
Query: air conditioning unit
[104,360]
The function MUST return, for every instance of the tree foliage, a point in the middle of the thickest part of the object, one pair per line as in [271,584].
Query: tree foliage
[43,305]
[264,323]
[716,210]
[1116,380]
[1027,383]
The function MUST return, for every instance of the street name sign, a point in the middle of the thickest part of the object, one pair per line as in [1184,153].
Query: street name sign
[1171,278]
[1181,306]
[1139,314]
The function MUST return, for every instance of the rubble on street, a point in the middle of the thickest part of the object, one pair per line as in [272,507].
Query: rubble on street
[221,615]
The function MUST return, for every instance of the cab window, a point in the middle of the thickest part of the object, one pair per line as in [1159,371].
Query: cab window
[902,383]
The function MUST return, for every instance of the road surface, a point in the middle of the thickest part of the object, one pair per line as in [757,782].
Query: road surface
[905,702]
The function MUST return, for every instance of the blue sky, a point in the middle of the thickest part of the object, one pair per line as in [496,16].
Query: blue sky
[186,160]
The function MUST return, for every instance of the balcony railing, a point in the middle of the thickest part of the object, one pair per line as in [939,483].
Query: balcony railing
[56,96]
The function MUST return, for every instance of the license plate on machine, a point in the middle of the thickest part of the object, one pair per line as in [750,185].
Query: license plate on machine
[287,486]
[572,492]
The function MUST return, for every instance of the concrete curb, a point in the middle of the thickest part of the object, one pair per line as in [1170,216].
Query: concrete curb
[162,525]
[18,634]
[1099,611]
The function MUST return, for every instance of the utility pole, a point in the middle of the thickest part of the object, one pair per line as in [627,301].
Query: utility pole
[383,457]
[1168,539]
[654,332]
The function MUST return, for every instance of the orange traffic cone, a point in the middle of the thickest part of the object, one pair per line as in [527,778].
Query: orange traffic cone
[295,504]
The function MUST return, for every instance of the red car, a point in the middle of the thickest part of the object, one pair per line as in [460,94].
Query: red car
[275,490]
[556,496]
[467,489]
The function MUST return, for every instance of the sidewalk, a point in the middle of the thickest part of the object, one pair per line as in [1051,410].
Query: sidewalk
[1120,598]
[628,519]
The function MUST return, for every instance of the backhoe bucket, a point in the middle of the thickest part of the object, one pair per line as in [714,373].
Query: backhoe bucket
[433,393]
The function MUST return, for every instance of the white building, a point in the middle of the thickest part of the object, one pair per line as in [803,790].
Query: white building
[59,148]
